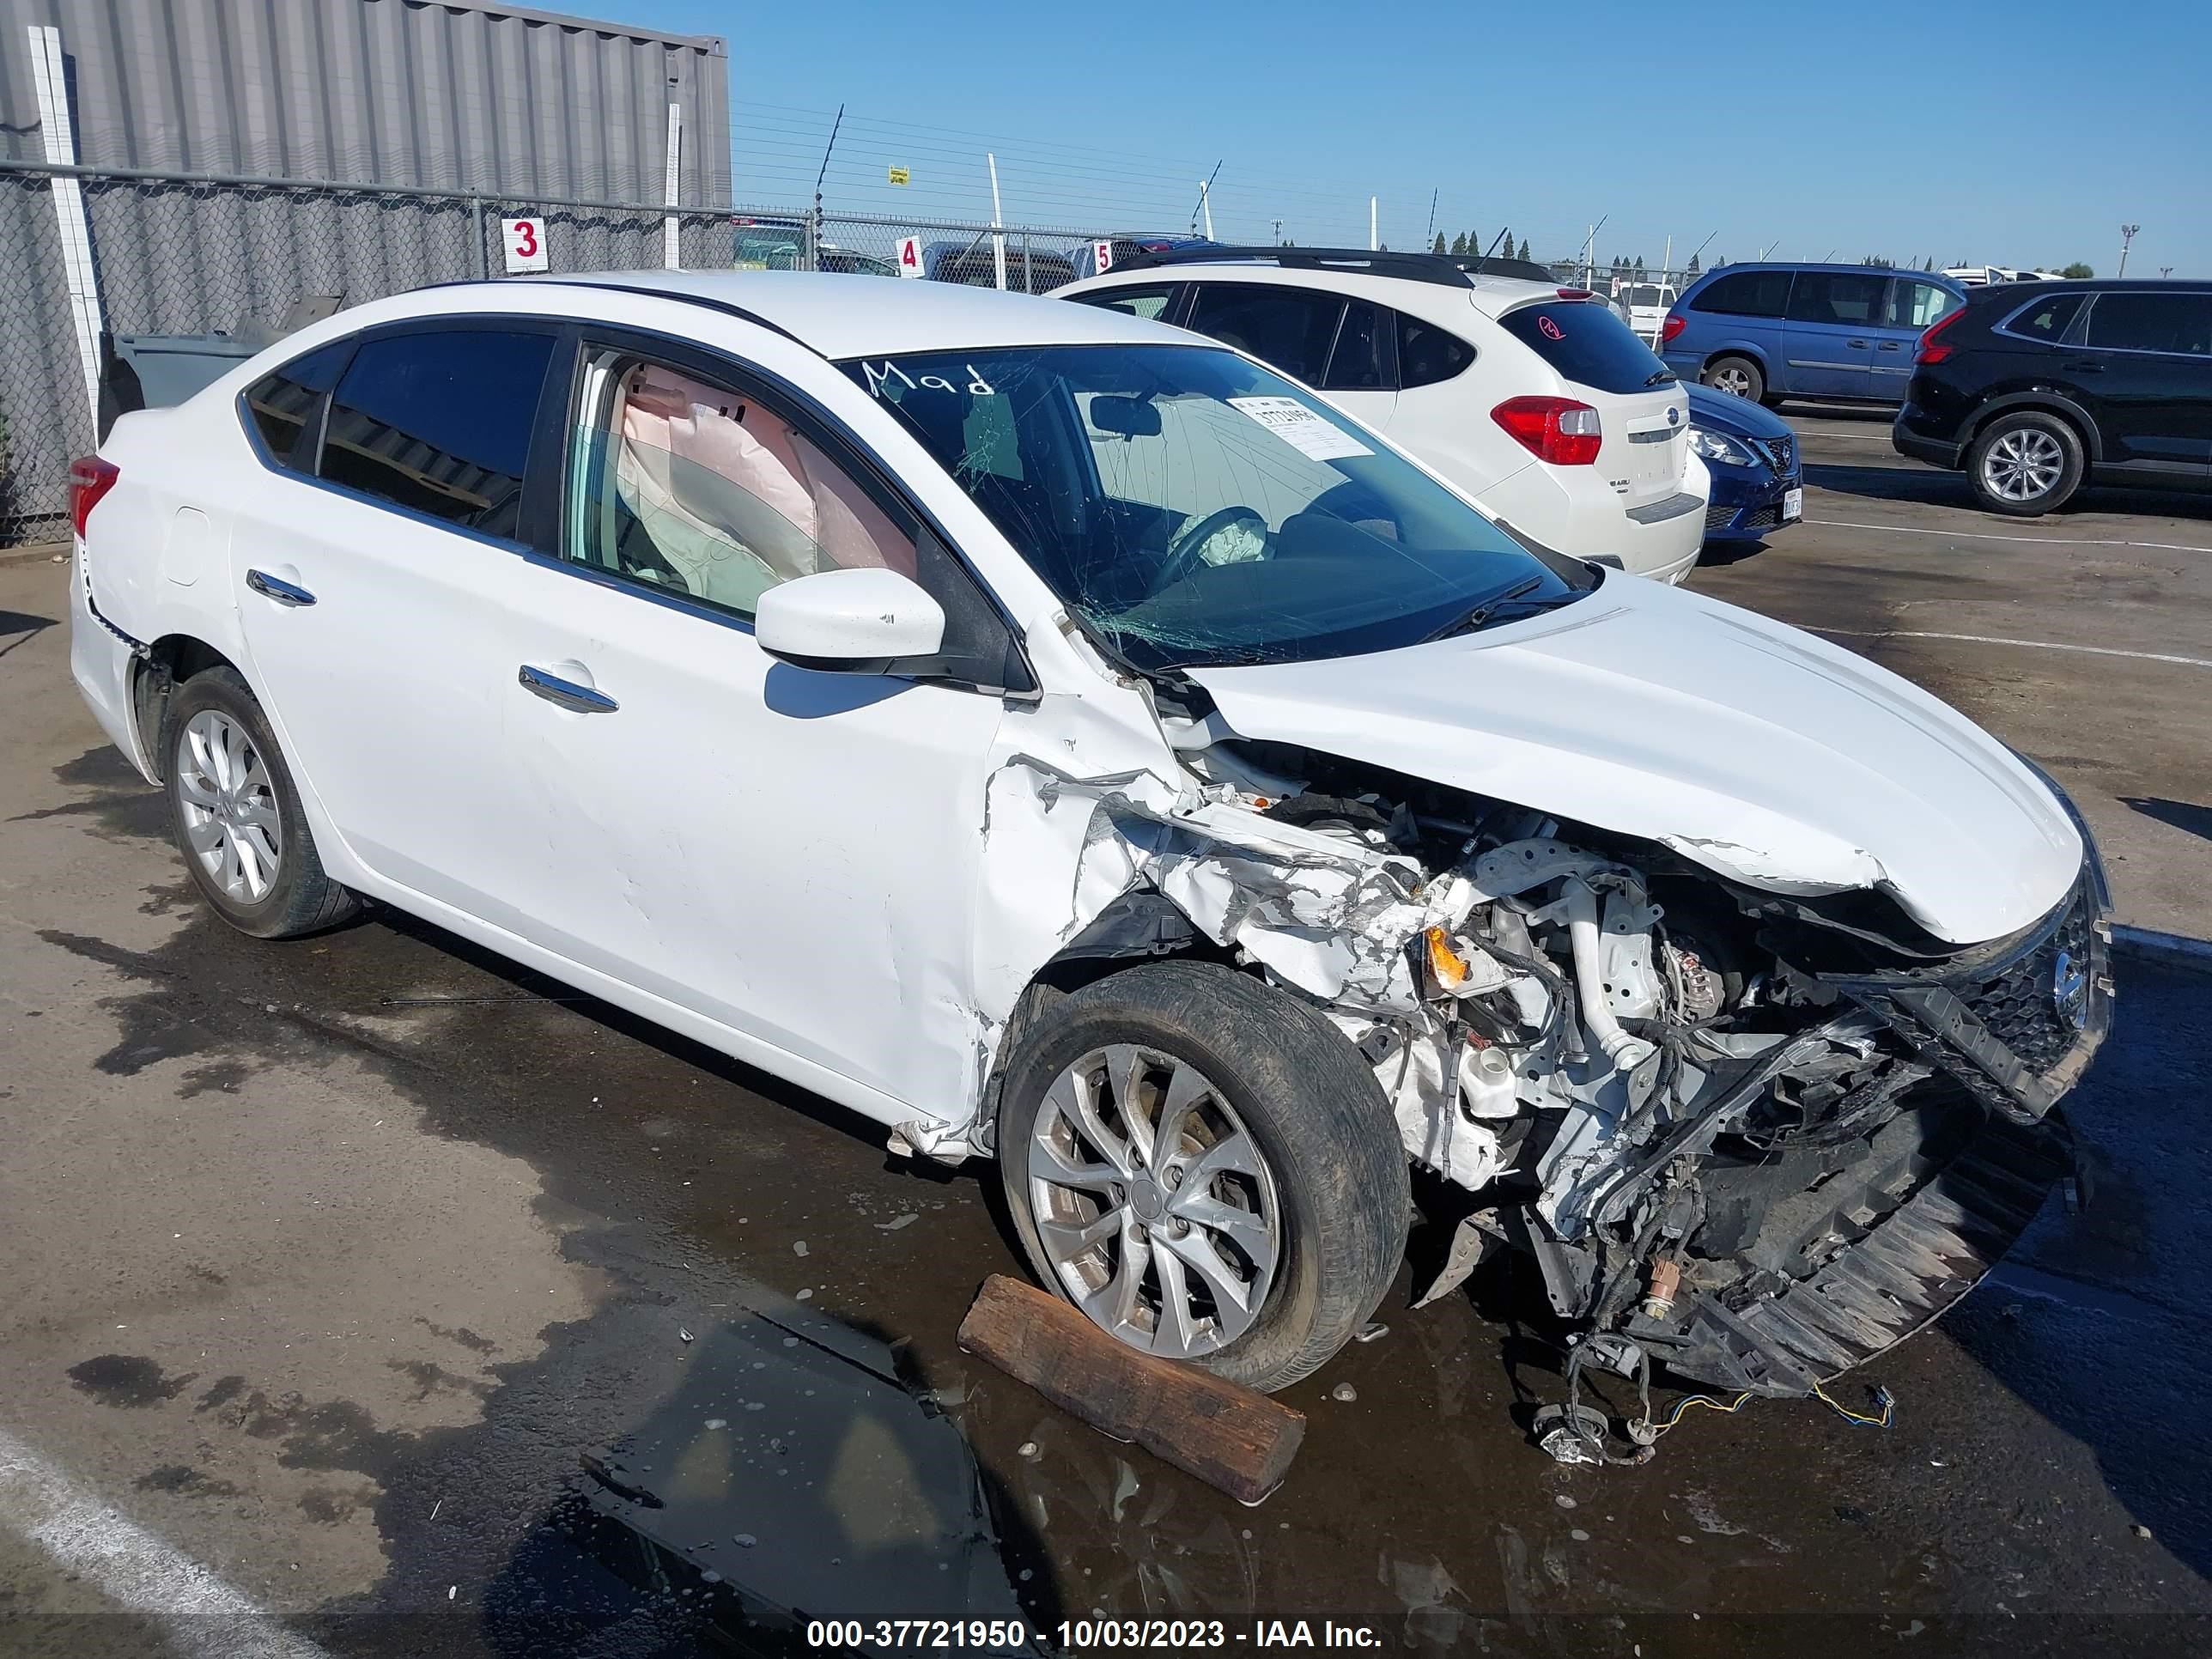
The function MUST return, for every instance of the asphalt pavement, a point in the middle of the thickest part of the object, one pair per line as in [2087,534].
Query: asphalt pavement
[333,1260]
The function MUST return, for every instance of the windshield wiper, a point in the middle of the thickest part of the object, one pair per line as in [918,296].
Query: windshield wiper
[1662,377]
[1471,620]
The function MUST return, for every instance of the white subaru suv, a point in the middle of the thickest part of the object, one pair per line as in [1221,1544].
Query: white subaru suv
[1065,741]
[1535,399]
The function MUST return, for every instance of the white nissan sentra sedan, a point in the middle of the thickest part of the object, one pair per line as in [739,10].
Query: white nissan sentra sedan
[1065,741]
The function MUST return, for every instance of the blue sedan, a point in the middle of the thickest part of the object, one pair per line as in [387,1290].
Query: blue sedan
[1758,477]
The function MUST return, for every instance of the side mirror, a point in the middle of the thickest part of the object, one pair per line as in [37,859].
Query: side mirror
[850,622]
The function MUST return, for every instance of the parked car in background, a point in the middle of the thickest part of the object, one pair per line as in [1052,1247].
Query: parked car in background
[973,263]
[1838,333]
[1982,275]
[1532,397]
[1206,774]
[1758,477]
[781,245]
[1648,304]
[2033,393]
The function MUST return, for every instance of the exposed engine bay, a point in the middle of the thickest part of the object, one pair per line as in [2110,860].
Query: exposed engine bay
[1753,1136]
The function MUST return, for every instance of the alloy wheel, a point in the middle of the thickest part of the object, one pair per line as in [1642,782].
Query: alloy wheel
[232,823]
[1155,1205]
[2023,465]
[1732,381]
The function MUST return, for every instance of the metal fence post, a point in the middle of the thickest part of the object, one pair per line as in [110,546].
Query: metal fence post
[483,257]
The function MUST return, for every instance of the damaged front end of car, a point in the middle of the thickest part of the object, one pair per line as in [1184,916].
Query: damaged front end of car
[1753,1134]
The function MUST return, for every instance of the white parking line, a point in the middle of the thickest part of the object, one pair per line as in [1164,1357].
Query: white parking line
[1991,639]
[201,1614]
[1991,535]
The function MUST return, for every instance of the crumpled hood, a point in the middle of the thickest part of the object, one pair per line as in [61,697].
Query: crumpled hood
[1761,752]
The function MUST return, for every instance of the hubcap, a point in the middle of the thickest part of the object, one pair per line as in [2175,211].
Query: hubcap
[1734,381]
[231,820]
[2023,465]
[1156,1207]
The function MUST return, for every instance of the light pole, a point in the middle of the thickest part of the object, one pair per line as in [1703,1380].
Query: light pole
[2127,235]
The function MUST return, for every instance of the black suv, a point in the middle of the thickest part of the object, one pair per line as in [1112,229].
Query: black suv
[2031,389]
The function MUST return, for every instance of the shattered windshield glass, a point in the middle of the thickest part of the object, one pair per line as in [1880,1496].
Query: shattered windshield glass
[1193,509]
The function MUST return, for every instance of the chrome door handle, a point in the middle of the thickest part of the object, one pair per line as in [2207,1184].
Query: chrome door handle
[276,588]
[564,693]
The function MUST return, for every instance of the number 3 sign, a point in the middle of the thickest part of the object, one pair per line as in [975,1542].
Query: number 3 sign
[525,244]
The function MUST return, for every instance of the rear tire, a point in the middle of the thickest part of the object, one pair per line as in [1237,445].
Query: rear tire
[1305,1245]
[1739,377]
[2025,464]
[235,814]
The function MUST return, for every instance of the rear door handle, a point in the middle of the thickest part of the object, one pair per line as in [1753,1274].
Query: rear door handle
[1855,345]
[276,588]
[1891,345]
[564,693]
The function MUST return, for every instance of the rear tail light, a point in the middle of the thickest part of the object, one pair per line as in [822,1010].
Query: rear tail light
[1555,429]
[1576,294]
[90,478]
[1675,323]
[1930,350]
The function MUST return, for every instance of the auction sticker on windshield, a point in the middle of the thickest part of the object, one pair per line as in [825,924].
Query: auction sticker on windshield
[1300,427]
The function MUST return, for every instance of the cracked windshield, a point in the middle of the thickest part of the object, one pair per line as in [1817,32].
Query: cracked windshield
[1193,509]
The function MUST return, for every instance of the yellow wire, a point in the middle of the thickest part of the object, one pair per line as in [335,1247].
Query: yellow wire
[1888,1409]
[1683,1405]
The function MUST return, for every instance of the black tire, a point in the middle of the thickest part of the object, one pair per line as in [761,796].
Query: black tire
[301,898]
[1738,376]
[2003,464]
[1305,1098]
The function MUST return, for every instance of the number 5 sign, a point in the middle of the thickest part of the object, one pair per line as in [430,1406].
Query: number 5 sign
[910,257]
[525,244]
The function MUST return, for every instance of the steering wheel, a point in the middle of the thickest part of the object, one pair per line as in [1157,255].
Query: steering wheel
[1183,549]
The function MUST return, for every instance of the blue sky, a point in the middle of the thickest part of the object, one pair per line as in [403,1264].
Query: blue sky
[2022,131]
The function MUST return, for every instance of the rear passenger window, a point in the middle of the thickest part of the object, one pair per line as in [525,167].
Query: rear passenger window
[439,422]
[2179,323]
[1427,354]
[1361,361]
[1289,328]
[283,405]
[1836,296]
[1917,304]
[1745,293]
[2046,319]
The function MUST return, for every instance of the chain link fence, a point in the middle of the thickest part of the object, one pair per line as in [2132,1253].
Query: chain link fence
[229,262]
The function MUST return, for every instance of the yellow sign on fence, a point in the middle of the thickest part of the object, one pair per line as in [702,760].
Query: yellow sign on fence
[900,176]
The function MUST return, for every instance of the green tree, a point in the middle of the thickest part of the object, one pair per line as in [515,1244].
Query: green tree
[2077,271]
[1459,243]
[1524,249]
[1439,247]
[1694,264]
[1505,245]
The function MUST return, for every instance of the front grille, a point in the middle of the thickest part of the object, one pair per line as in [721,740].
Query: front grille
[1717,517]
[1783,452]
[1763,518]
[2019,1003]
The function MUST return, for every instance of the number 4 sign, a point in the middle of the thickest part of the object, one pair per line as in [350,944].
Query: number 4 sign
[525,244]
[909,259]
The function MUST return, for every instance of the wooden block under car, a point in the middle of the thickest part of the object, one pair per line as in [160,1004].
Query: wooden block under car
[1227,1435]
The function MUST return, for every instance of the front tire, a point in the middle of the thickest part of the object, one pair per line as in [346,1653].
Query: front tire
[2025,464]
[1206,1168]
[236,813]
[1739,377]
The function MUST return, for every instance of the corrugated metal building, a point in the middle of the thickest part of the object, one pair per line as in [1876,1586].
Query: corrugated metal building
[384,140]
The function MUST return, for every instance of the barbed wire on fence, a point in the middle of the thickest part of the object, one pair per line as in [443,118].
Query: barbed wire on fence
[231,255]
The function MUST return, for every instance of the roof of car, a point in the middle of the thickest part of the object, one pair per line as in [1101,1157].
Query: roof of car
[1346,275]
[848,315]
